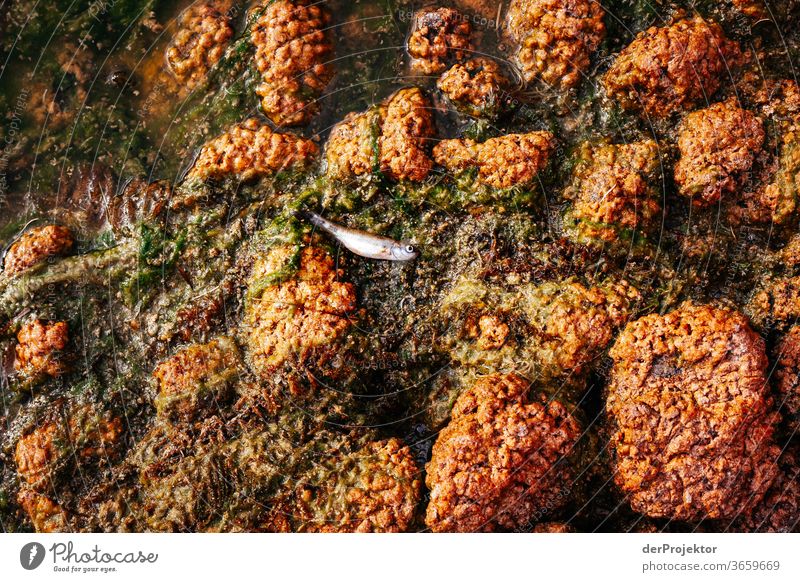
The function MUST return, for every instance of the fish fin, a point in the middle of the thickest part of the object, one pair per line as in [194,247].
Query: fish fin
[311,217]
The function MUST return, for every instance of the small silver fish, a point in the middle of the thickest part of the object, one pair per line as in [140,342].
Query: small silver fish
[363,243]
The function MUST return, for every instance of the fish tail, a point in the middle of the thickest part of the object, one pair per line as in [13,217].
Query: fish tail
[311,217]
[301,214]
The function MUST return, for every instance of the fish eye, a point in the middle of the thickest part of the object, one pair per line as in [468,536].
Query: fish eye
[411,249]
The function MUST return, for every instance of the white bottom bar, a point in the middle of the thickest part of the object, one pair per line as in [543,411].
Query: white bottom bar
[353,558]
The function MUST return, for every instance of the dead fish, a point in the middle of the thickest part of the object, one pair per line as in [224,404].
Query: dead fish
[363,243]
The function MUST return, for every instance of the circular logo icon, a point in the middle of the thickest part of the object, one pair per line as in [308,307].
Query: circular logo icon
[31,555]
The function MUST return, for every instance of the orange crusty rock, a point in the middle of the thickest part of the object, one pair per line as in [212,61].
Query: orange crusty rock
[80,434]
[672,68]
[39,347]
[293,320]
[510,160]
[351,148]
[779,510]
[196,380]
[394,138]
[405,136]
[475,87]
[492,332]
[776,302]
[35,245]
[45,514]
[375,489]
[37,452]
[440,36]
[613,189]
[251,150]
[204,30]
[692,420]
[775,198]
[754,9]
[559,327]
[555,38]
[293,55]
[718,146]
[778,198]
[501,460]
